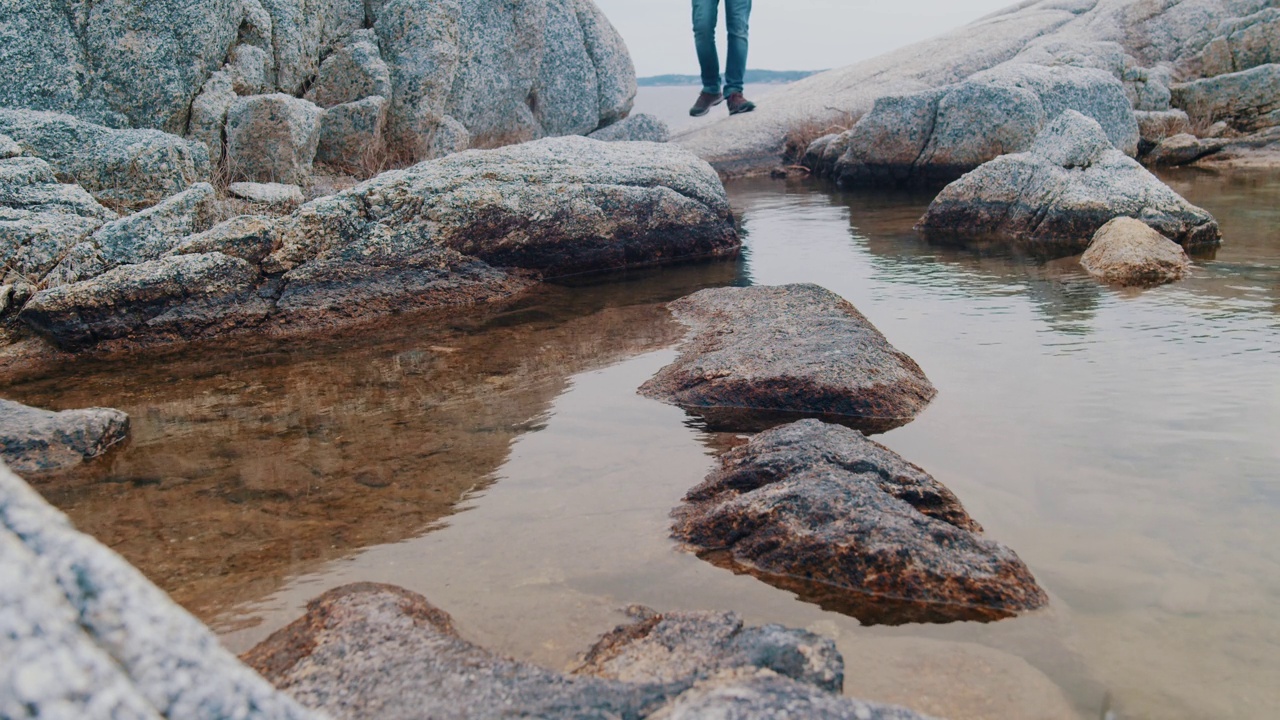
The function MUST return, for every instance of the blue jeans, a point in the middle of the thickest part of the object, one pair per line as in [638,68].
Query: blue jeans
[736,15]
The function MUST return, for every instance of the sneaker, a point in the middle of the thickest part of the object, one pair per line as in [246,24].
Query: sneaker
[705,102]
[739,104]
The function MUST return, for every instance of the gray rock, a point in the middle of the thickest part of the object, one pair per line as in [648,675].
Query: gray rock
[248,237]
[760,356]
[761,695]
[209,113]
[822,511]
[9,148]
[352,72]
[567,87]
[40,219]
[351,135]
[175,298]
[1244,43]
[363,646]
[642,127]
[304,31]
[615,72]
[273,194]
[1182,149]
[248,70]
[272,138]
[1248,100]
[420,44]
[151,233]
[1128,252]
[937,135]
[126,167]
[37,442]
[85,635]
[1056,196]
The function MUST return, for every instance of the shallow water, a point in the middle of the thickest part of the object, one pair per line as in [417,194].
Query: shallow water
[1122,442]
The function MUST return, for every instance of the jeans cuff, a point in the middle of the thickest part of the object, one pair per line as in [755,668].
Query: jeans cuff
[710,90]
[729,90]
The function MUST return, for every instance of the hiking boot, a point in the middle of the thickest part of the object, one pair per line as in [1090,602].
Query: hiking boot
[705,102]
[739,104]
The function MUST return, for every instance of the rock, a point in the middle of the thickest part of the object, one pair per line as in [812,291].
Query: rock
[9,148]
[1128,252]
[1055,196]
[248,237]
[1182,149]
[274,194]
[41,219]
[1248,100]
[85,635]
[1156,127]
[566,90]
[151,233]
[272,138]
[760,695]
[351,135]
[759,356]
[209,114]
[175,298]
[364,646]
[1244,43]
[680,647]
[615,73]
[248,70]
[353,72]
[642,127]
[937,135]
[36,442]
[125,167]
[821,510]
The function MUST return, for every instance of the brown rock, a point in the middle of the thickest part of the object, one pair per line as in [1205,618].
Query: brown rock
[35,441]
[1128,252]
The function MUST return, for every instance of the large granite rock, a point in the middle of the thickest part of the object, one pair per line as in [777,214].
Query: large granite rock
[759,356]
[351,135]
[1242,43]
[824,512]
[375,646]
[935,136]
[1128,252]
[1070,183]
[1144,45]
[85,635]
[1248,100]
[124,167]
[272,138]
[353,72]
[36,442]
[637,128]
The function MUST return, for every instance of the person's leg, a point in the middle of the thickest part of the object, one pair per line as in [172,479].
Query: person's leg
[737,16]
[705,14]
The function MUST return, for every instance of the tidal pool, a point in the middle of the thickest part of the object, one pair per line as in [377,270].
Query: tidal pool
[1124,443]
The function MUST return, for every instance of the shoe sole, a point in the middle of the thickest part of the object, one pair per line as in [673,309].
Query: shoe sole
[740,111]
[704,112]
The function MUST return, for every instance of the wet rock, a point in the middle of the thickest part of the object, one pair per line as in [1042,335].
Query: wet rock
[1128,252]
[759,356]
[1155,127]
[272,138]
[761,695]
[1070,183]
[41,219]
[937,135]
[353,72]
[126,167]
[35,442]
[679,647]
[844,522]
[351,135]
[175,298]
[1248,100]
[1182,149]
[248,237]
[272,194]
[641,127]
[85,635]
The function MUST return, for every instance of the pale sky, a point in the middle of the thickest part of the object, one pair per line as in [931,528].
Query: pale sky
[790,34]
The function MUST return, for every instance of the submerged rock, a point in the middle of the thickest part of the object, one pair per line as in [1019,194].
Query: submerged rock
[34,441]
[85,635]
[1070,183]
[376,646]
[760,356]
[822,511]
[1128,252]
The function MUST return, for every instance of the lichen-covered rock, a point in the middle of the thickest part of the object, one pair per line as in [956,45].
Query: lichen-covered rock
[37,442]
[760,356]
[937,135]
[1128,252]
[247,69]
[175,298]
[1248,100]
[351,135]
[353,72]
[271,194]
[637,128]
[248,237]
[1056,195]
[85,635]
[844,522]
[272,138]
[126,167]
[41,219]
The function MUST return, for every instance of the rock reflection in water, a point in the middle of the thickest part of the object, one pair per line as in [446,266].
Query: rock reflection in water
[255,462]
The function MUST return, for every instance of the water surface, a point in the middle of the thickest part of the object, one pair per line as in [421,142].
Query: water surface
[500,462]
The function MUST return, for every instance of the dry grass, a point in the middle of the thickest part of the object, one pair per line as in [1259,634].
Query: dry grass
[798,139]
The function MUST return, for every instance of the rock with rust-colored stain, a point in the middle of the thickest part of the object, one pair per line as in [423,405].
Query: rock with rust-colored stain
[762,356]
[820,510]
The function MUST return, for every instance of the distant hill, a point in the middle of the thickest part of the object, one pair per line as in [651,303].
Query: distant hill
[753,77]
